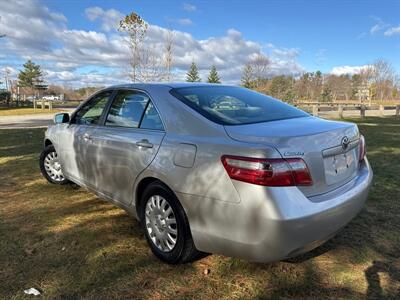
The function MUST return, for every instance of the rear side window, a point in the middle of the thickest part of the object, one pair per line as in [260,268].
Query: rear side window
[133,109]
[151,118]
[127,109]
[235,105]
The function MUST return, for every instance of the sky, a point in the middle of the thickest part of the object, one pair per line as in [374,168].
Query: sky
[77,43]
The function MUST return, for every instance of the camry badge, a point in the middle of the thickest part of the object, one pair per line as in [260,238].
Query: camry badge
[293,153]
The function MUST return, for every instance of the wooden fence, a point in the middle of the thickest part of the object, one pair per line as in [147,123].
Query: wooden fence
[317,108]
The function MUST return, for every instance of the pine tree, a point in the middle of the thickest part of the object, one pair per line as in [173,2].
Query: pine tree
[248,76]
[193,74]
[213,77]
[31,76]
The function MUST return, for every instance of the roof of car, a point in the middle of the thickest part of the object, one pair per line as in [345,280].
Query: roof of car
[167,84]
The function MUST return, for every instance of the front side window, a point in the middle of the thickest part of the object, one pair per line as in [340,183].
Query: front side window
[127,109]
[90,113]
[229,105]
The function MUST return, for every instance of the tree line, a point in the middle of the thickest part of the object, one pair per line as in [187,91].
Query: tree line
[374,82]
[377,81]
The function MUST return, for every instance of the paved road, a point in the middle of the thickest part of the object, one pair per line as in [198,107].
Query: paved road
[27,121]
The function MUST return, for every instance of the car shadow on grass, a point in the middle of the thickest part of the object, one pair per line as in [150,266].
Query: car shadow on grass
[373,274]
[69,243]
[105,254]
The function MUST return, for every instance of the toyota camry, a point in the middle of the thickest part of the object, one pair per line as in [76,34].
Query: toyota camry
[213,168]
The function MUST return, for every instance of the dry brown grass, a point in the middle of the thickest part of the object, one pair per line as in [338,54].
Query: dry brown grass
[70,244]
[4,111]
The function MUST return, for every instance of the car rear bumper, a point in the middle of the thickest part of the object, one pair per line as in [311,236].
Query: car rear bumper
[271,224]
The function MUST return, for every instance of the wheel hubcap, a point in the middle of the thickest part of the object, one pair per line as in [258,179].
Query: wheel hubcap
[161,223]
[53,167]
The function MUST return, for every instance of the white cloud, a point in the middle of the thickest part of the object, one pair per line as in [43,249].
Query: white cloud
[110,18]
[379,25]
[348,70]
[374,29]
[94,12]
[181,22]
[27,24]
[64,52]
[185,22]
[82,79]
[189,7]
[392,31]
[283,61]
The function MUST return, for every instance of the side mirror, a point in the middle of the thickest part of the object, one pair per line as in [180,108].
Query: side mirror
[61,118]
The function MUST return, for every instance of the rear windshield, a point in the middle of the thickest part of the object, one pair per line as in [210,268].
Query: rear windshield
[234,105]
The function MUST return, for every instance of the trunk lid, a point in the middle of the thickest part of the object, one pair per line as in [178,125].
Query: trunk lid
[317,141]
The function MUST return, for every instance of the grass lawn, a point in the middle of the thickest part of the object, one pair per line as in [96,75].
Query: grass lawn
[68,243]
[13,111]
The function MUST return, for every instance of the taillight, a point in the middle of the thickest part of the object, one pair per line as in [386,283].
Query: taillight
[361,148]
[268,172]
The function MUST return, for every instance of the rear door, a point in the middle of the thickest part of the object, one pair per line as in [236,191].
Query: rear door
[75,147]
[126,144]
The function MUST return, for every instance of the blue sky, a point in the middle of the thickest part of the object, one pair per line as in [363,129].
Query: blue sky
[299,36]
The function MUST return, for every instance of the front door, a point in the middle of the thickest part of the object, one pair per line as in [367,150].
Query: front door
[125,145]
[75,144]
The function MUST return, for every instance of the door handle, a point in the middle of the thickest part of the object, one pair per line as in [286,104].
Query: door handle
[144,143]
[87,137]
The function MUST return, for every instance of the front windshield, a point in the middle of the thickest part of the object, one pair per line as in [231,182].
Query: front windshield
[229,105]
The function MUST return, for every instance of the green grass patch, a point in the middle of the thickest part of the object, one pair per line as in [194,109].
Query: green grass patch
[70,244]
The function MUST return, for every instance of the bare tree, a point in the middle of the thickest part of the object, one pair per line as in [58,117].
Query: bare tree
[302,87]
[147,64]
[7,73]
[136,28]
[168,56]
[383,78]
[340,86]
[150,68]
[255,71]
[362,83]
[260,67]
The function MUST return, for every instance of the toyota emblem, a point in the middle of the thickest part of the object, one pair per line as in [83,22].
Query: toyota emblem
[345,142]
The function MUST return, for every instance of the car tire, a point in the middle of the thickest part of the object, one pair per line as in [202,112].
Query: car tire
[183,250]
[51,167]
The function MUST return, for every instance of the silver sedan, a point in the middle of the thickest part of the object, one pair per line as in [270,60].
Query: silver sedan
[213,168]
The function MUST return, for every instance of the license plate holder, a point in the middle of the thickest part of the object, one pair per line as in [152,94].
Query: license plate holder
[340,166]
